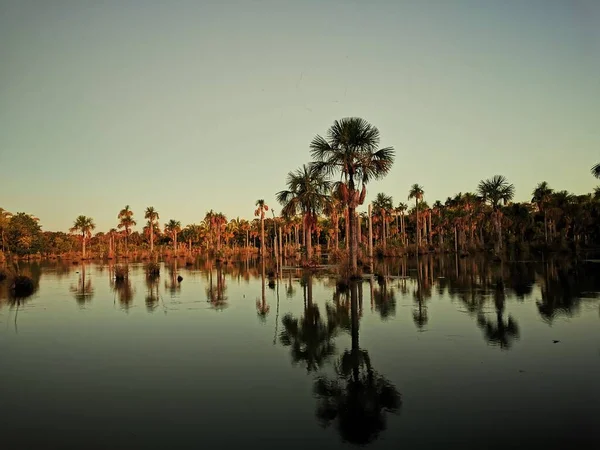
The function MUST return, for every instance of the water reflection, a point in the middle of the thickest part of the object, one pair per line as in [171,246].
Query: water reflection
[152,294]
[309,337]
[83,291]
[216,291]
[357,398]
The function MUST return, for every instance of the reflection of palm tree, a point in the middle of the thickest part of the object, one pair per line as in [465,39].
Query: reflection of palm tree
[152,296]
[358,397]
[216,295]
[84,290]
[173,285]
[420,316]
[384,299]
[309,337]
[125,292]
[262,308]
[499,332]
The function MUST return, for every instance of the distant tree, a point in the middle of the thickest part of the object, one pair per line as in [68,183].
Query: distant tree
[24,234]
[152,215]
[84,225]
[126,222]
[261,209]
[495,191]
[416,192]
[541,196]
[172,228]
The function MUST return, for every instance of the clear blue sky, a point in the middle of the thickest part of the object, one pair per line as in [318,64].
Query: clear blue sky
[193,105]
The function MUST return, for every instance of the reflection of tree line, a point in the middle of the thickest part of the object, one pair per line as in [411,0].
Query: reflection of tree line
[472,281]
[356,398]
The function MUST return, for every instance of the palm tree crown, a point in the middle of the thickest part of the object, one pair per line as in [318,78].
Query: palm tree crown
[596,170]
[496,190]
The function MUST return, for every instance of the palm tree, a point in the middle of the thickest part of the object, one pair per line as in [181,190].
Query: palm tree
[152,215]
[126,221]
[307,193]
[495,191]
[541,197]
[381,205]
[261,209]
[352,150]
[83,225]
[173,227]
[596,170]
[417,192]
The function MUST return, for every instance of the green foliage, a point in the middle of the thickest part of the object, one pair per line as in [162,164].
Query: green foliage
[24,235]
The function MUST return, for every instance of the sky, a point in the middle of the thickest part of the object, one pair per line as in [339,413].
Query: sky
[195,105]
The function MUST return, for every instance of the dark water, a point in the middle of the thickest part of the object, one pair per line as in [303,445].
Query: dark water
[443,354]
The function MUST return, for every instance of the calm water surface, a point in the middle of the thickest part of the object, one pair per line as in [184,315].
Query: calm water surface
[442,353]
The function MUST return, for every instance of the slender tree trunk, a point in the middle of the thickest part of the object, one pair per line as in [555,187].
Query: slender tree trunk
[359,229]
[353,242]
[347,212]
[545,227]
[370,232]
[308,239]
[83,245]
[383,226]
[336,223]
[262,237]
[418,229]
[151,237]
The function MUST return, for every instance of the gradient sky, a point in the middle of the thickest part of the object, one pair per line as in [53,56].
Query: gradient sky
[193,105]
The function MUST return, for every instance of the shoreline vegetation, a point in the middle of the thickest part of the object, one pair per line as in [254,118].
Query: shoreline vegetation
[318,220]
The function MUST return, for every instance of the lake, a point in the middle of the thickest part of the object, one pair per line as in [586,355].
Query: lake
[434,353]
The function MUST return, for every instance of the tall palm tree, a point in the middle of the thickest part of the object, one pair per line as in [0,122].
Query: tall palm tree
[261,209]
[417,192]
[382,205]
[596,170]
[352,151]
[126,221]
[306,194]
[83,225]
[152,216]
[173,227]
[495,191]
[541,197]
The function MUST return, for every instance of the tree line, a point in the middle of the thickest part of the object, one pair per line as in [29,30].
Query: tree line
[319,215]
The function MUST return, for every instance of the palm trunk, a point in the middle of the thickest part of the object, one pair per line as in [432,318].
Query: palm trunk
[151,237]
[353,242]
[308,238]
[370,232]
[83,246]
[383,230]
[418,230]
[348,243]
[545,227]
[262,237]
[359,228]
[336,223]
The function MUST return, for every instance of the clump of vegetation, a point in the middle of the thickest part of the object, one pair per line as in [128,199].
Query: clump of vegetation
[343,285]
[3,275]
[21,286]
[153,270]
[121,273]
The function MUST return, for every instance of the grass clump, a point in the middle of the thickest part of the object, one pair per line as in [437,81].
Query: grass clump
[153,270]
[121,273]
